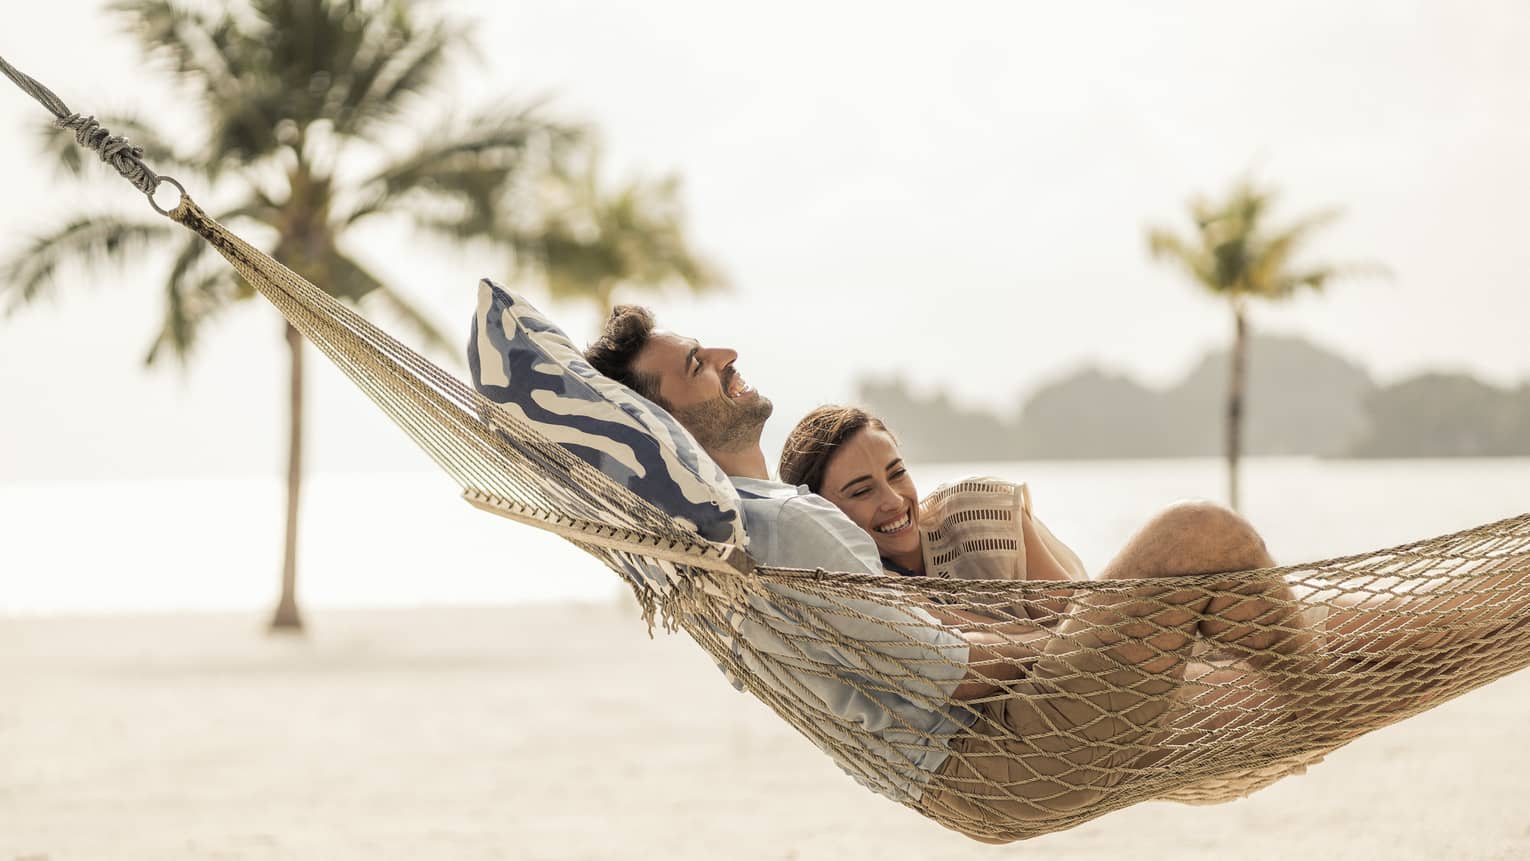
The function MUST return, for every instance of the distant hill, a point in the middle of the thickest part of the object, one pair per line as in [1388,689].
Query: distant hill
[1445,415]
[1094,413]
[934,429]
[1302,399]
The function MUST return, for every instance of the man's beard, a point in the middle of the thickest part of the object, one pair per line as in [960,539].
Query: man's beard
[719,425]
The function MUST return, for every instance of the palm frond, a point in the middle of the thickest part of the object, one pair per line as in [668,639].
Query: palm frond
[396,55]
[575,267]
[181,35]
[634,236]
[198,288]
[1204,212]
[344,278]
[471,167]
[193,251]
[191,301]
[1164,244]
[356,281]
[226,68]
[1275,253]
[1248,205]
[1236,253]
[412,319]
[89,240]
[1319,277]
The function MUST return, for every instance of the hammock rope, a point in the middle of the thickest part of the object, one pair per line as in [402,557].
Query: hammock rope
[1379,636]
[115,150]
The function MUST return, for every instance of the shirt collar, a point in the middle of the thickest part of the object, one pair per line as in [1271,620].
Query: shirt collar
[895,568]
[766,489]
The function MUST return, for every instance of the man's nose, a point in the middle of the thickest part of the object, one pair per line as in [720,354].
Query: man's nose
[717,356]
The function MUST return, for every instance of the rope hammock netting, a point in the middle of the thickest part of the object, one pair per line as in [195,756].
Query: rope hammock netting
[1119,701]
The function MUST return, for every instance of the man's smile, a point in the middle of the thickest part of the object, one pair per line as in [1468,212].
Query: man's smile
[734,385]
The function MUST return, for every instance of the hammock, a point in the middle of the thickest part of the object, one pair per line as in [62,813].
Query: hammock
[1402,629]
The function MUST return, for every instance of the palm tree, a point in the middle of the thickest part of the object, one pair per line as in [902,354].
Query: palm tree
[595,242]
[1235,254]
[288,92]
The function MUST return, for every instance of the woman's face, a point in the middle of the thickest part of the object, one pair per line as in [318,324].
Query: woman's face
[866,479]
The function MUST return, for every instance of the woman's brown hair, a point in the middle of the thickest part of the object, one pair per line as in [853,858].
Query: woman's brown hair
[812,443]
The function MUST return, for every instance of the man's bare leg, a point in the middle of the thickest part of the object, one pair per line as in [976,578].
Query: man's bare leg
[1125,651]
[1096,696]
[1187,538]
[1205,538]
[1413,616]
[1123,663]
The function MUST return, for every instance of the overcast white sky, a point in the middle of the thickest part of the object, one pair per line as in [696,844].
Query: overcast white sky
[958,197]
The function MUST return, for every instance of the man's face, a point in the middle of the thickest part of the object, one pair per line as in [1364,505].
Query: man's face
[703,391]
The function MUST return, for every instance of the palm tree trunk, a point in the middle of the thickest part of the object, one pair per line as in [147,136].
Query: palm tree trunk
[287,618]
[603,291]
[1236,382]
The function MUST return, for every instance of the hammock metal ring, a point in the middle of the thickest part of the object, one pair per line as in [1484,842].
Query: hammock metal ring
[178,187]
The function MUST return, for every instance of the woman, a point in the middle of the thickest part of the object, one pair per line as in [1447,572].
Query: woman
[975,529]
[1105,676]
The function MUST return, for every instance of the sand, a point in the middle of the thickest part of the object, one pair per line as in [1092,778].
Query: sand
[564,732]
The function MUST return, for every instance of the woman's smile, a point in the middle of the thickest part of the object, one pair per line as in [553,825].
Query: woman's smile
[902,522]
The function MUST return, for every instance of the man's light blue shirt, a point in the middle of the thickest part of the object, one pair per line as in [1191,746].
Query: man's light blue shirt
[905,730]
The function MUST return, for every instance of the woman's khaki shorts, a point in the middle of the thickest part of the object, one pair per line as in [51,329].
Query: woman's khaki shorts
[1057,743]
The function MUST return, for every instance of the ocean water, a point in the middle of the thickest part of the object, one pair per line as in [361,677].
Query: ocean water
[393,540]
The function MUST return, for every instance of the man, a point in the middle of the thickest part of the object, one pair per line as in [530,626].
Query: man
[834,650]
[703,390]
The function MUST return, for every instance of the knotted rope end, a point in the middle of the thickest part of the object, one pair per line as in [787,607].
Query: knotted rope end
[116,150]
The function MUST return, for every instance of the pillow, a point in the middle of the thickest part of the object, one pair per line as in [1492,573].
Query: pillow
[520,360]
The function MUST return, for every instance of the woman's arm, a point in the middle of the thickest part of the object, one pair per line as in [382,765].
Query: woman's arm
[993,659]
[997,648]
[999,622]
[1043,562]
[1040,562]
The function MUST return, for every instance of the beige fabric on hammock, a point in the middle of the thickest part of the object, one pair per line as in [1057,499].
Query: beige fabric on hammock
[1402,629]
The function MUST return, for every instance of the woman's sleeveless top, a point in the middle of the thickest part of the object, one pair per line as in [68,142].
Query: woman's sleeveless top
[972,530]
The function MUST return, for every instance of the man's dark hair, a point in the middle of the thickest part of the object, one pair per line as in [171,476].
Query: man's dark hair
[626,332]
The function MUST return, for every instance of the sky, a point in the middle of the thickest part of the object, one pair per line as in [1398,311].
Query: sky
[957,196]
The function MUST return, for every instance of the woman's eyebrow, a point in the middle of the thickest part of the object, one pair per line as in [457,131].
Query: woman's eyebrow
[854,481]
[894,463]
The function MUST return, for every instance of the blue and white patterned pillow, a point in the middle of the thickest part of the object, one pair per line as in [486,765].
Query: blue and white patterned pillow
[520,360]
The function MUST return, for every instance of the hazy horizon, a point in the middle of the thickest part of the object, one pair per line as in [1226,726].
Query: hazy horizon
[406,539]
[957,197]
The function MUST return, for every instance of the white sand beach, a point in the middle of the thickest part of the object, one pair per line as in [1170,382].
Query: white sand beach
[563,732]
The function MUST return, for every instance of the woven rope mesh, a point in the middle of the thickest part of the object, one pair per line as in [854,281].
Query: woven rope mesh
[1192,688]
